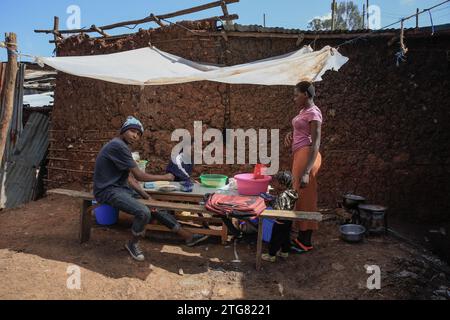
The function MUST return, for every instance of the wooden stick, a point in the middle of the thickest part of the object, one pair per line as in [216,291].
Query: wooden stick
[333,14]
[259,244]
[364,16]
[10,80]
[71,170]
[157,20]
[225,18]
[72,150]
[103,33]
[198,8]
[417,18]
[56,34]
[209,232]
[224,8]
[250,34]
[226,15]
[367,14]
[150,18]
[69,160]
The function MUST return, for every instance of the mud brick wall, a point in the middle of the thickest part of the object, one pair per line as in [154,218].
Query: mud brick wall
[385,134]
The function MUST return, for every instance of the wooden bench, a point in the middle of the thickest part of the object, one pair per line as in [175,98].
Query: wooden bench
[87,208]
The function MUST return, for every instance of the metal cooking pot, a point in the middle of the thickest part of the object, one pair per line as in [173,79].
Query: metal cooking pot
[373,217]
[351,201]
[352,232]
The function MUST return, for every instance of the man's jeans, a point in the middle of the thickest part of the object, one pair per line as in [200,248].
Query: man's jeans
[124,199]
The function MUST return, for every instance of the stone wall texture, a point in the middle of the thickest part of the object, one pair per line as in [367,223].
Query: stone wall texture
[385,133]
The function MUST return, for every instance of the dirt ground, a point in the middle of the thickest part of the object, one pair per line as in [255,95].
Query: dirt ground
[39,241]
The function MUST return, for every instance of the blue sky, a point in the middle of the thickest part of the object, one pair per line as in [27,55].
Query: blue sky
[23,16]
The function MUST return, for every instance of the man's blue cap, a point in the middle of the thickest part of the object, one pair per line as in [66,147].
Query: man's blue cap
[132,123]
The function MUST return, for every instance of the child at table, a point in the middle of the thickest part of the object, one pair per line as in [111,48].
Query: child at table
[180,168]
[280,243]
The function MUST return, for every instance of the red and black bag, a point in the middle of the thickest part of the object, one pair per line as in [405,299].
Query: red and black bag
[235,206]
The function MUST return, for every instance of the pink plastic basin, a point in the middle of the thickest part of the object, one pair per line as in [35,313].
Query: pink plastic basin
[249,186]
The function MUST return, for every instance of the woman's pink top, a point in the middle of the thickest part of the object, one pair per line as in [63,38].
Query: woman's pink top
[302,129]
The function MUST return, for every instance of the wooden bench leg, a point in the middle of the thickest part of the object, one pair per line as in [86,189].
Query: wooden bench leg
[85,220]
[224,235]
[259,244]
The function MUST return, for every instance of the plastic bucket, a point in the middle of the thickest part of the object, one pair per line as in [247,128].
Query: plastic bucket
[105,215]
[267,229]
[247,185]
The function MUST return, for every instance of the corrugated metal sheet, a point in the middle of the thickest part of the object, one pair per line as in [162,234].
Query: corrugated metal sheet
[24,150]
[23,165]
[16,121]
[38,100]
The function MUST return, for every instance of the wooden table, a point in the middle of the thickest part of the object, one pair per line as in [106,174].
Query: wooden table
[197,194]
[173,201]
[87,208]
[195,197]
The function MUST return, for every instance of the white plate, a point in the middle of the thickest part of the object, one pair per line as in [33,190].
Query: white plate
[168,188]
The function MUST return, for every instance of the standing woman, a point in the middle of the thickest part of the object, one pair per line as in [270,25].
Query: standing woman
[305,143]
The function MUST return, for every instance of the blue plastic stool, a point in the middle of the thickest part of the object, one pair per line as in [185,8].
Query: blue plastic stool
[105,215]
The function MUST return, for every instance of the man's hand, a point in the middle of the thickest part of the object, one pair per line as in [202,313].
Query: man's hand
[169,177]
[288,140]
[133,183]
[146,177]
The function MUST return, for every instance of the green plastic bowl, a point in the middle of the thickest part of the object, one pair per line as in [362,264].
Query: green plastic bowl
[213,180]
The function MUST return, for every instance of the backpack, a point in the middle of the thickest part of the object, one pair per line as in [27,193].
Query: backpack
[234,206]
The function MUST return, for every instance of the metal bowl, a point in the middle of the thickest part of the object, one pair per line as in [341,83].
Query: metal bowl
[352,232]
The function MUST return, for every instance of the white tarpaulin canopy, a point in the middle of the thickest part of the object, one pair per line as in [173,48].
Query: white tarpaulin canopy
[150,66]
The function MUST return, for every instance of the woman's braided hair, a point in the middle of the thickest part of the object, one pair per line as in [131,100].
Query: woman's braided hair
[308,87]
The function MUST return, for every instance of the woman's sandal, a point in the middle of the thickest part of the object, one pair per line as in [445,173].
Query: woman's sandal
[299,247]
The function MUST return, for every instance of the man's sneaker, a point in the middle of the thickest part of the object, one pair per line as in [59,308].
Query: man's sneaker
[196,238]
[135,251]
[268,257]
[283,255]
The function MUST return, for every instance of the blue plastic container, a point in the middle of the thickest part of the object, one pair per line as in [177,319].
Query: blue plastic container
[105,215]
[267,229]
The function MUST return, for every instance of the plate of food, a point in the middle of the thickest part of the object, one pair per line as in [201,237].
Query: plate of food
[154,185]
[168,188]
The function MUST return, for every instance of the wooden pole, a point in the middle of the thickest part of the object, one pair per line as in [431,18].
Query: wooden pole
[364,17]
[264,20]
[103,33]
[151,19]
[56,28]
[333,14]
[367,13]
[10,86]
[157,20]
[417,18]
[223,5]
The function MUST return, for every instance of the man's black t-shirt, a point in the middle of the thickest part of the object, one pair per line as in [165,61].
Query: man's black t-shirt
[112,166]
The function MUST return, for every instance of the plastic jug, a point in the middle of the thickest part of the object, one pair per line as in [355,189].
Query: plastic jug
[259,171]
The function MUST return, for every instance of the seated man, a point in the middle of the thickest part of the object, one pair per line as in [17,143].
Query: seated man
[113,166]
